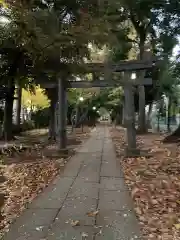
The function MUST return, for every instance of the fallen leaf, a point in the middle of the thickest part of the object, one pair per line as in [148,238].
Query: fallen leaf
[75,223]
[177,226]
[134,191]
[93,213]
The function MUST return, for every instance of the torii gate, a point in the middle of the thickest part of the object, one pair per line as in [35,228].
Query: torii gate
[128,67]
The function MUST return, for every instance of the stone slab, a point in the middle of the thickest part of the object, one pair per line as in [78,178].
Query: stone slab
[54,195]
[73,166]
[83,188]
[113,184]
[108,148]
[94,151]
[118,225]
[90,170]
[33,223]
[114,200]
[93,164]
[108,155]
[110,169]
[94,147]
[94,177]
[77,209]
[29,235]
[71,233]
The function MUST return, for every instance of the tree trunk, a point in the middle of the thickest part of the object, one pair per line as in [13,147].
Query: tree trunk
[82,118]
[149,115]
[174,137]
[52,128]
[18,107]
[123,113]
[158,122]
[77,116]
[169,115]
[85,114]
[174,112]
[116,121]
[62,113]
[142,114]
[8,111]
[141,90]
[119,116]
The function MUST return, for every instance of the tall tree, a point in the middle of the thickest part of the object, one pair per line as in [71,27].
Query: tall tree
[150,19]
[50,35]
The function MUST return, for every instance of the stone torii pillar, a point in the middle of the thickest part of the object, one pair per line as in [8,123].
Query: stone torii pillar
[131,150]
[130,121]
[130,115]
[142,126]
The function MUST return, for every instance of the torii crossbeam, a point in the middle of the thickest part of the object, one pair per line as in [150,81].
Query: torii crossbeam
[96,83]
[127,67]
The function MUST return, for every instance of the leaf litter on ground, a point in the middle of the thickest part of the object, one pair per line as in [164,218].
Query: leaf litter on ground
[27,173]
[155,185]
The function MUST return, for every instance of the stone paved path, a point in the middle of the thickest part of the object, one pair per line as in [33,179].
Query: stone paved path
[91,180]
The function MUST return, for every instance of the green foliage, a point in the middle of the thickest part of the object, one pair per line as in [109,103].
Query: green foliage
[169,82]
[74,96]
[44,40]
[46,37]
[109,98]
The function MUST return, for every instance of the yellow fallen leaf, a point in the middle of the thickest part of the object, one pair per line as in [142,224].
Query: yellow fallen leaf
[178,201]
[177,226]
[75,223]
[92,214]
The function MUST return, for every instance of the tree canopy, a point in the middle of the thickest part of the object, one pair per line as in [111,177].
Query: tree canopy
[44,40]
